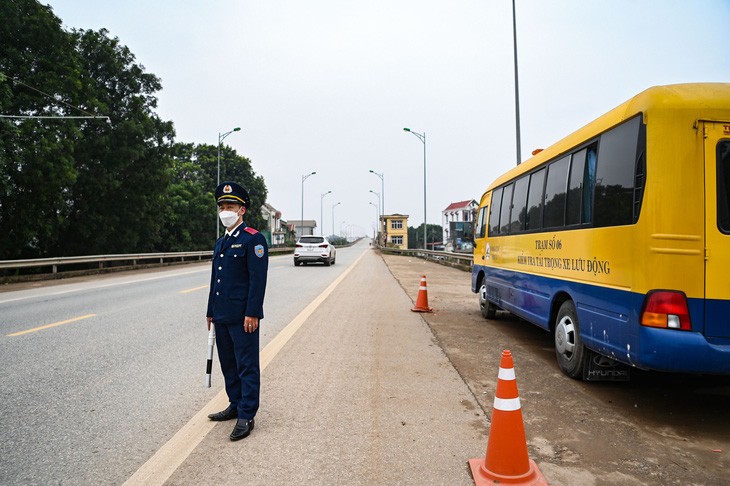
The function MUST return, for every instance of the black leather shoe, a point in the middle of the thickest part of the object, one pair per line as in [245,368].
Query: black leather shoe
[242,429]
[230,413]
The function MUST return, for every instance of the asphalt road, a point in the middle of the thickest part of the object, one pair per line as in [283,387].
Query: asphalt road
[89,400]
[365,392]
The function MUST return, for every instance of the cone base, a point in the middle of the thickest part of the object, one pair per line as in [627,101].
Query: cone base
[482,477]
[422,309]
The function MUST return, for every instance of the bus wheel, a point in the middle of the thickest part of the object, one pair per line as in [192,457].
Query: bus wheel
[568,345]
[489,310]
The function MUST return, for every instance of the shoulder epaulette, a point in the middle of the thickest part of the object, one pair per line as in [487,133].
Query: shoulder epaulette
[250,230]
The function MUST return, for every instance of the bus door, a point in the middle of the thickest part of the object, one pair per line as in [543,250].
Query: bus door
[480,233]
[717,228]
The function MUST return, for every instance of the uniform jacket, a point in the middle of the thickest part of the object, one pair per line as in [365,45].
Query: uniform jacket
[238,279]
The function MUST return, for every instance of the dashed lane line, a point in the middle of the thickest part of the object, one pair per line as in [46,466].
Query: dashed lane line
[196,288]
[50,325]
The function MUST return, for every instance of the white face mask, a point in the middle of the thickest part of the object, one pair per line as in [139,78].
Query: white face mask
[228,218]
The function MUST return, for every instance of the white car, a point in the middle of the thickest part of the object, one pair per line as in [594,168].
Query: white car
[314,249]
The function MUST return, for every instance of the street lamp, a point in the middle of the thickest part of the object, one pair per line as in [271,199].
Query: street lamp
[321,221]
[221,137]
[422,138]
[382,190]
[333,216]
[301,222]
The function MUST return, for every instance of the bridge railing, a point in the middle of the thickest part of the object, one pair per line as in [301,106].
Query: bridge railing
[118,261]
[463,261]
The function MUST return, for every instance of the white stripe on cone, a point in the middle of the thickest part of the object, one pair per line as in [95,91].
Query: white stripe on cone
[507,404]
[506,374]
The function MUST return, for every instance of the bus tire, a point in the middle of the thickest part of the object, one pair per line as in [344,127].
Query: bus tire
[568,345]
[489,310]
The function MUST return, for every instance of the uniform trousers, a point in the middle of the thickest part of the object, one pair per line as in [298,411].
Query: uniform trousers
[238,352]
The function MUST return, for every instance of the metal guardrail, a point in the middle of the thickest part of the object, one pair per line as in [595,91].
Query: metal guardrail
[465,261]
[100,259]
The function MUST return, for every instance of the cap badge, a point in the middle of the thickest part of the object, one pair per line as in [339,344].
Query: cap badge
[227,189]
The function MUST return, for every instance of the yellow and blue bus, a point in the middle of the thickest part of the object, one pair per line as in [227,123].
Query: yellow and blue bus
[617,238]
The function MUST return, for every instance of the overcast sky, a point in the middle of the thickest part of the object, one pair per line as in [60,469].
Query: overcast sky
[328,85]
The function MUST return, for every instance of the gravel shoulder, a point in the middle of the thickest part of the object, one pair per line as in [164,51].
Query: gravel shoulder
[657,429]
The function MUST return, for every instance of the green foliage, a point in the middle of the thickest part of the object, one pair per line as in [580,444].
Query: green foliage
[80,187]
[434,233]
[123,167]
[338,240]
[192,208]
[36,164]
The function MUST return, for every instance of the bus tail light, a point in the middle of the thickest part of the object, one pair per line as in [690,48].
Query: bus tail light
[667,309]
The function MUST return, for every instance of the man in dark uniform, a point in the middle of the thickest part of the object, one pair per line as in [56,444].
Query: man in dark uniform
[235,306]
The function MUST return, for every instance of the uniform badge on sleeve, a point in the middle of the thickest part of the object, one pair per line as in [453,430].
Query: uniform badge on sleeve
[259,249]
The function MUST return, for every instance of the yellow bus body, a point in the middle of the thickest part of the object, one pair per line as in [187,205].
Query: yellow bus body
[607,272]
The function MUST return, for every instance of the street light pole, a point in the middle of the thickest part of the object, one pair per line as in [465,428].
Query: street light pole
[422,138]
[301,222]
[333,216]
[221,137]
[382,190]
[321,201]
[517,85]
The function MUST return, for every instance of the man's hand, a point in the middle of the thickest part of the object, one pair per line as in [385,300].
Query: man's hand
[250,324]
[210,320]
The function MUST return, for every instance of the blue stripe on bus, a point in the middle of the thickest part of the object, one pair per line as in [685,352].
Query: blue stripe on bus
[614,331]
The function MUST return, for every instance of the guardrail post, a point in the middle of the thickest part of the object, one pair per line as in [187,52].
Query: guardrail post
[55,268]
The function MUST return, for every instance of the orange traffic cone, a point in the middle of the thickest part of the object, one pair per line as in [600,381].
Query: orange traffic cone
[506,460]
[422,300]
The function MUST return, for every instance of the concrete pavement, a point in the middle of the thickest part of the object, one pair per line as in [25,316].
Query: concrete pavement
[361,394]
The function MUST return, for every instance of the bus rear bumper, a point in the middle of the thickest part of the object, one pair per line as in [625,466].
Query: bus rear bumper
[681,351]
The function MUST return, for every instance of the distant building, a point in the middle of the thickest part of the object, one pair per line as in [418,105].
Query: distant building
[396,230]
[275,232]
[303,228]
[458,224]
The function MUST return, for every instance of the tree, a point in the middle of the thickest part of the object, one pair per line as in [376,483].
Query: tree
[434,233]
[76,187]
[123,167]
[39,78]
[73,187]
[191,194]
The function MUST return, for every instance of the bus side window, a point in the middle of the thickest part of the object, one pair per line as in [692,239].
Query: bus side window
[615,175]
[557,178]
[519,200]
[723,186]
[575,188]
[482,222]
[506,207]
[494,213]
[589,178]
[534,200]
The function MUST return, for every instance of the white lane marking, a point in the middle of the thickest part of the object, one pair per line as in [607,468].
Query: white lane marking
[170,456]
